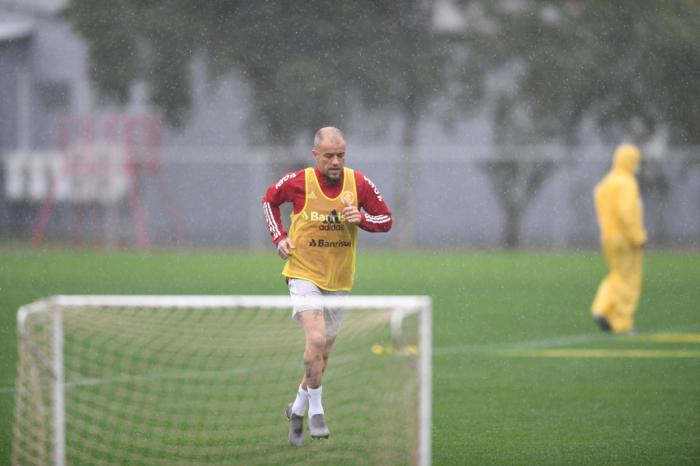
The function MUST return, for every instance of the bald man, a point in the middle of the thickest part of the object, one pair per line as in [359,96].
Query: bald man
[622,237]
[330,202]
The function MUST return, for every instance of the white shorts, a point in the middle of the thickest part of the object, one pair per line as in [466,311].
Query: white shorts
[299,288]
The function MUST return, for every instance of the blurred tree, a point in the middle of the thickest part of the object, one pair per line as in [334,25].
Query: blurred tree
[519,166]
[309,64]
[523,177]
[629,68]
[129,40]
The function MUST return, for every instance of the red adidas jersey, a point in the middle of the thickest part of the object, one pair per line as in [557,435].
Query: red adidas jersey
[376,216]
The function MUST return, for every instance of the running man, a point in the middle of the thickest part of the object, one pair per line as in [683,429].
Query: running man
[330,202]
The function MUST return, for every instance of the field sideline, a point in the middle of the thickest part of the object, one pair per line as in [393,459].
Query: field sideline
[520,376]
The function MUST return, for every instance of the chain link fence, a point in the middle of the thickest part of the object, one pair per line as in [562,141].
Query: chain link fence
[452,198]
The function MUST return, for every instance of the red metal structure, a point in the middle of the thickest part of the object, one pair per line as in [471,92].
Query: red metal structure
[138,137]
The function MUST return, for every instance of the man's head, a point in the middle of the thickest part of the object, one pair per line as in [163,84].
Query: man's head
[329,152]
[626,158]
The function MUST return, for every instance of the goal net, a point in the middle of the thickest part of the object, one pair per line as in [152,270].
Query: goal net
[204,380]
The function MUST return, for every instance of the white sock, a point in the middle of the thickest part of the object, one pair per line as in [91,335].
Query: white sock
[300,402]
[315,406]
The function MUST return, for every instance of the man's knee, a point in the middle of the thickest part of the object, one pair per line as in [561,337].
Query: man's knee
[316,342]
[327,347]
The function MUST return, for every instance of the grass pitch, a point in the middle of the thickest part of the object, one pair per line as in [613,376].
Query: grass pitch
[520,374]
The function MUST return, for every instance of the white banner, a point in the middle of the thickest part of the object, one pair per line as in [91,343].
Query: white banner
[83,174]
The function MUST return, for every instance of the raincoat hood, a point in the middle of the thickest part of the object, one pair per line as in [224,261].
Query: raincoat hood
[626,158]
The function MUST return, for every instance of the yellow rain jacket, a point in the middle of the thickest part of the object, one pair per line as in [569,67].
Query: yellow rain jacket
[622,236]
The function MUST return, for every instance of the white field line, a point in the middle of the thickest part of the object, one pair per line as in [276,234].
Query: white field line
[183,375]
[437,351]
[531,344]
[559,342]
[564,341]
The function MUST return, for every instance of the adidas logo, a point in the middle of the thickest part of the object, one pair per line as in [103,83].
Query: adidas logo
[331,222]
[332,217]
[311,195]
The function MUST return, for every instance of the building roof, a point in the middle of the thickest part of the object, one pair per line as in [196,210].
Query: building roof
[14,26]
[42,7]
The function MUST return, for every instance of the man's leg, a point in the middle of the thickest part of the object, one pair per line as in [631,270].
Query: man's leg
[316,355]
[300,291]
[316,352]
[629,290]
[326,354]
[604,303]
[320,330]
[314,326]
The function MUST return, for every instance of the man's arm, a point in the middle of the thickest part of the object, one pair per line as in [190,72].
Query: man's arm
[374,215]
[285,190]
[628,205]
[630,211]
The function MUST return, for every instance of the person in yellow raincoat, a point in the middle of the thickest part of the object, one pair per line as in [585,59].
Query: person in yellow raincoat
[622,237]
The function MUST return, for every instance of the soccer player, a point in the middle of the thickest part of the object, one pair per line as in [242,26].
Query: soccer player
[622,237]
[330,202]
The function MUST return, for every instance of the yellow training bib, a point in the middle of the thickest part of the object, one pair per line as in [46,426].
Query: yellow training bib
[325,245]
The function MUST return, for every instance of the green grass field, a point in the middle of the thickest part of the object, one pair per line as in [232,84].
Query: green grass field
[521,375]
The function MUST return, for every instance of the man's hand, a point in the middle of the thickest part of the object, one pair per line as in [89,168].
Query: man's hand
[284,248]
[351,213]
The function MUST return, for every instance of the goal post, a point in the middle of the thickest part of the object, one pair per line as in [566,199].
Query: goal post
[177,380]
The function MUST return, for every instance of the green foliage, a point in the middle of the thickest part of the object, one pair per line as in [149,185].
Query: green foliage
[308,63]
[630,66]
[113,51]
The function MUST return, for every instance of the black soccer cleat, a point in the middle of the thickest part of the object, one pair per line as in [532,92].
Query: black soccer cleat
[296,427]
[602,323]
[318,427]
